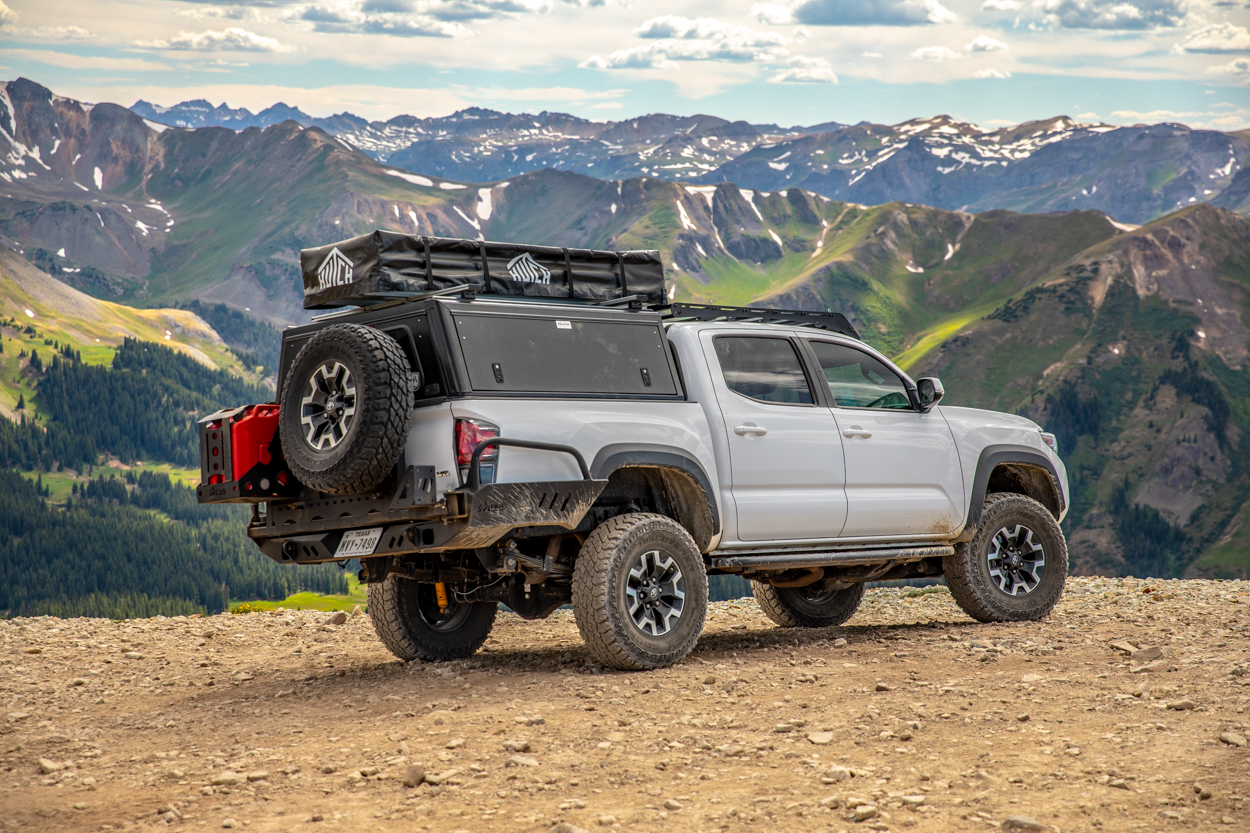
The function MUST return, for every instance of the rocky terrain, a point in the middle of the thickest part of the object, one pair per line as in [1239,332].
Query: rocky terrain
[1124,710]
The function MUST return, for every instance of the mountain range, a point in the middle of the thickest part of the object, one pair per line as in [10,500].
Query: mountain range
[1128,341]
[1133,174]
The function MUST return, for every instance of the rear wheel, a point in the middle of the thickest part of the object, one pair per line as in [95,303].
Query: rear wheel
[808,607]
[639,592]
[1015,566]
[408,620]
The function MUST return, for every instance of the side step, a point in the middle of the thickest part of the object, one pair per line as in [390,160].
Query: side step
[835,558]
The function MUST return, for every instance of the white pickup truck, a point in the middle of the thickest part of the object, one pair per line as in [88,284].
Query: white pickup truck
[472,450]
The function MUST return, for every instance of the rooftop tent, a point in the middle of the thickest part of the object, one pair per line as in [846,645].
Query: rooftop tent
[385,265]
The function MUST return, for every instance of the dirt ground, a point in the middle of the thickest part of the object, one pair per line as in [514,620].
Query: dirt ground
[1124,710]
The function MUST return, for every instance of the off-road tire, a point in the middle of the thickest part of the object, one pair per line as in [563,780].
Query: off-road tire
[968,573]
[600,579]
[401,610]
[383,409]
[792,607]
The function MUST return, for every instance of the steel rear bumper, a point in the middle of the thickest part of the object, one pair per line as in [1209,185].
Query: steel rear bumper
[310,532]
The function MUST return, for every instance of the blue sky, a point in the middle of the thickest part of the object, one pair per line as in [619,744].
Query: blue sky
[787,62]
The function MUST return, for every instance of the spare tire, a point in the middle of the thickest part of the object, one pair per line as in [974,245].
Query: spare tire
[346,406]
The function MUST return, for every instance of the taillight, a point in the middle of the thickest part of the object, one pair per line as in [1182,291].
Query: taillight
[470,432]
[1051,441]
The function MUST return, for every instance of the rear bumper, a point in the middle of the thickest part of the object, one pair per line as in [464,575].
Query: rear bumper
[309,532]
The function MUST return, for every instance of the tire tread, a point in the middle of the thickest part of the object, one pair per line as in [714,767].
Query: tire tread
[391,615]
[386,413]
[599,621]
[773,603]
[969,587]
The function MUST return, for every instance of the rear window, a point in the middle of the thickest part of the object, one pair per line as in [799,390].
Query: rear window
[518,353]
[764,369]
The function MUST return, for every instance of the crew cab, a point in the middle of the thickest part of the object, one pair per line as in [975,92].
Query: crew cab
[474,448]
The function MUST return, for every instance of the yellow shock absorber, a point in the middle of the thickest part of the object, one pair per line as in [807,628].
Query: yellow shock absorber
[440,593]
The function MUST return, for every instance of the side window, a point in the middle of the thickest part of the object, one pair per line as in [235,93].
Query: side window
[767,369]
[857,380]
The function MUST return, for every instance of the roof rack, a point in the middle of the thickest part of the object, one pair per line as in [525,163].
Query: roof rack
[828,320]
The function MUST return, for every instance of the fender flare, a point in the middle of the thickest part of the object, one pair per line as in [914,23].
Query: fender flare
[626,455]
[993,456]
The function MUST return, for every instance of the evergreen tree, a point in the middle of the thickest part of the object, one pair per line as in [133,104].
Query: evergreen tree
[108,548]
[21,401]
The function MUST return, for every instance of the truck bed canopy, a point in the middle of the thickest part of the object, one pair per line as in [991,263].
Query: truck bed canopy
[385,265]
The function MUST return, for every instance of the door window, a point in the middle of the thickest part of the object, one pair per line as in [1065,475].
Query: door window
[858,380]
[764,369]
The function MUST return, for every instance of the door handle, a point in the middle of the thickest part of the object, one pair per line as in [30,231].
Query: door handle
[856,431]
[748,428]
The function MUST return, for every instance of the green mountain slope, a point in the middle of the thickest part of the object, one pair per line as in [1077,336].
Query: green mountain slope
[41,314]
[1135,354]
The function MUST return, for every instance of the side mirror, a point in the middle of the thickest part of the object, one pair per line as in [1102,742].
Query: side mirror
[929,390]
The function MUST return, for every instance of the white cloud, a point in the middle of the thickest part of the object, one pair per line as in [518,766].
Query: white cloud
[684,39]
[1227,117]
[378,17]
[1112,14]
[673,27]
[1215,38]
[1237,66]
[985,44]
[854,12]
[675,39]
[8,17]
[934,53]
[233,39]
[991,73]
[58,33]
[1000,5]
[872,55]
[636,57]
[218,13]
[415,18]
[66,60]
[803,70]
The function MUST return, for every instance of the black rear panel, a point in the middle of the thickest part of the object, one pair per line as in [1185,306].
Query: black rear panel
[566,353]
[519,349]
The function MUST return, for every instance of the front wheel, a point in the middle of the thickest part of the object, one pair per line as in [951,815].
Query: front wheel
[639,592]
[1015,567]
[807,607]
[410,623]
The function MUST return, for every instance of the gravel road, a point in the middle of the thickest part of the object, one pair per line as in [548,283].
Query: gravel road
[1123,710]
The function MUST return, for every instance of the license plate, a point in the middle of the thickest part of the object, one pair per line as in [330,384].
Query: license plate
[358,542]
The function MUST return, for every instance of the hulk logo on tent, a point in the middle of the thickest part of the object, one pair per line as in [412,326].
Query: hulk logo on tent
[335,270]
[525,269]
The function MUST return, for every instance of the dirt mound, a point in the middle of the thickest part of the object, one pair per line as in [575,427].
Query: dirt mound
[1125,709]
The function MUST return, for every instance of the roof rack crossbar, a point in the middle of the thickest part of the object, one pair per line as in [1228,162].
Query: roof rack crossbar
[828,320]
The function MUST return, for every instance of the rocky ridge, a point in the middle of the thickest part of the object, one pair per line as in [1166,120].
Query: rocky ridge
[1125,709]
[1133,173]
